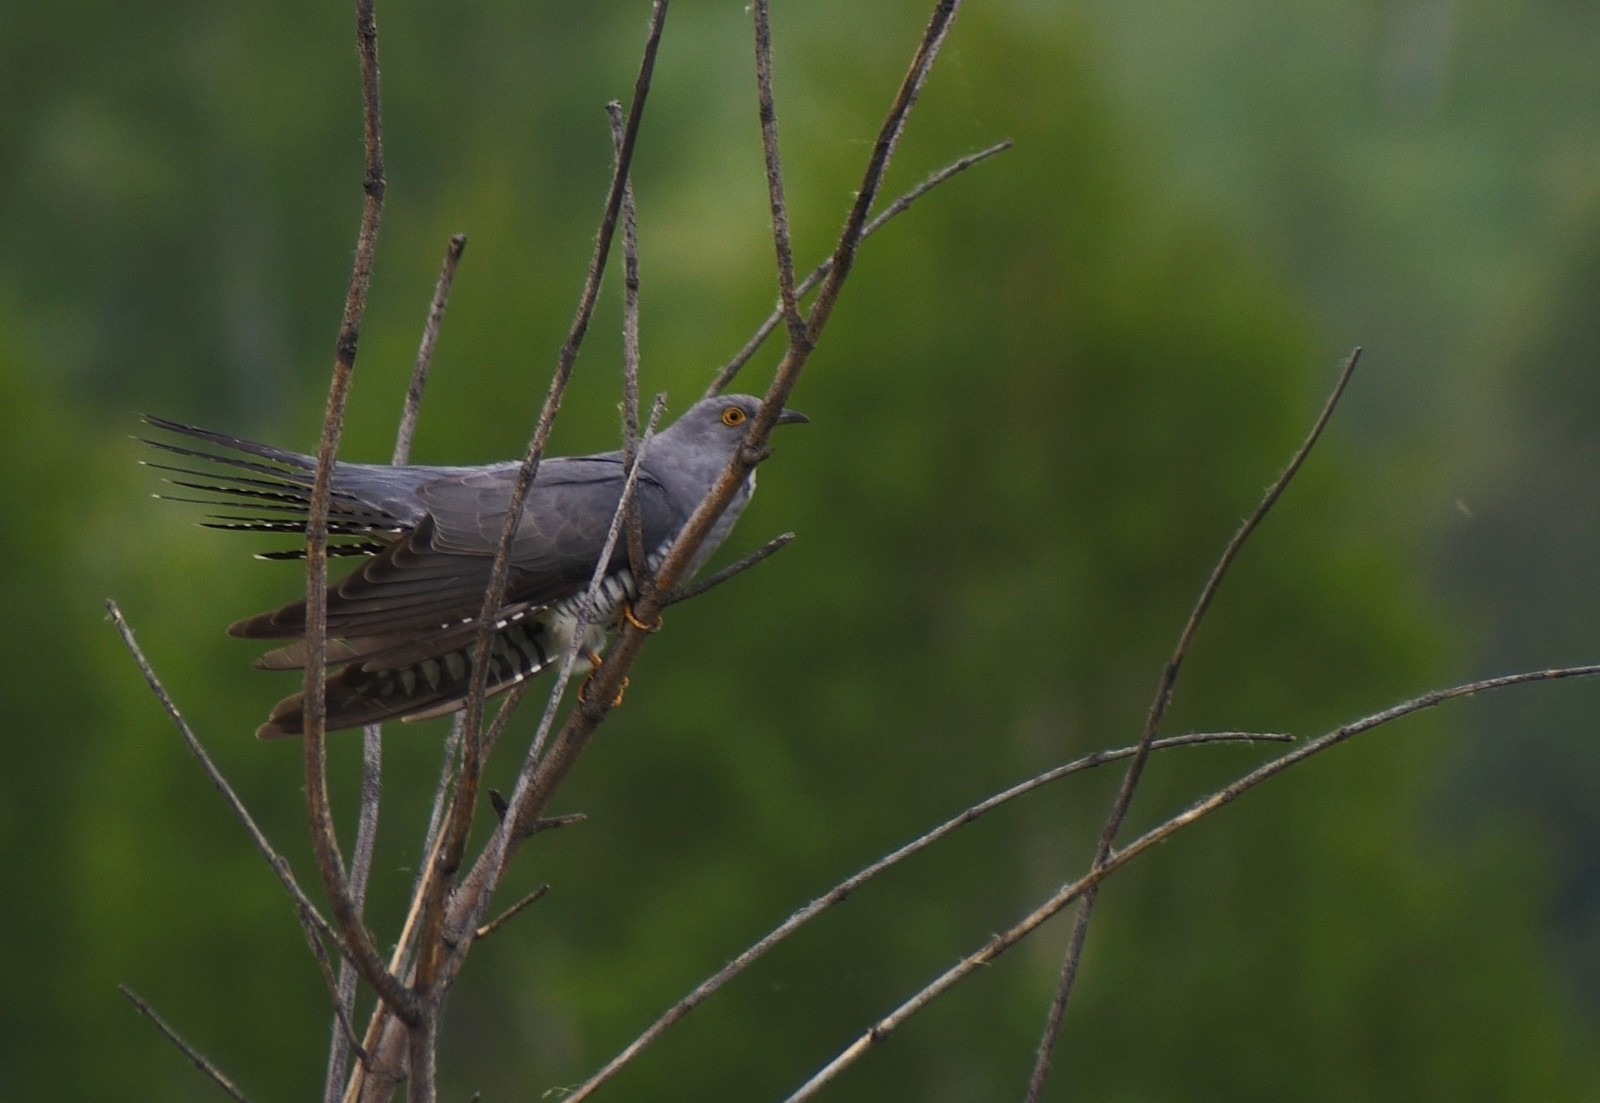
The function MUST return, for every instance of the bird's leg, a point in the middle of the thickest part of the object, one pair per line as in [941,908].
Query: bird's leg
[627,617]
[594,668]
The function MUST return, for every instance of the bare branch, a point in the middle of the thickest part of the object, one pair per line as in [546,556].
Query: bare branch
[586,716]
[515,825]
[433,873]
[196,1058]
[787,299]
[1218,799]
[360,949]
[899,206]
[510,913]
[460,820]
[570,655]
[844,255]
[692,590]
[310,918]
[630,354]
[343,1039]
[447,768]
[423,1042]
[430,846]
[430,340]
[1158,710]
[848,886]
[427,868]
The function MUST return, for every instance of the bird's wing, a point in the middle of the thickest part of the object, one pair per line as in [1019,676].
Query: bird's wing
[435,575]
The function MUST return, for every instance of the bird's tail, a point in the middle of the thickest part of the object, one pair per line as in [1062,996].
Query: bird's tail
[417,679]
[270,492]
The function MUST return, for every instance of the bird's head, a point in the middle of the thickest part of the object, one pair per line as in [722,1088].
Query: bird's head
[722,422]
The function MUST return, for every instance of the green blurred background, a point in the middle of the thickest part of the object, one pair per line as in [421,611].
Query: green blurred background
[1049,394]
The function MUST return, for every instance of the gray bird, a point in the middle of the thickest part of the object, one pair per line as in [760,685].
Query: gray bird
[402,626]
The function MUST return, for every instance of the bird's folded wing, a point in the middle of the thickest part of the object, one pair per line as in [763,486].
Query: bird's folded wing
[434,577]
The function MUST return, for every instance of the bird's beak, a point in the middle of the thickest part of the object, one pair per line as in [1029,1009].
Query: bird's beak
[792,417]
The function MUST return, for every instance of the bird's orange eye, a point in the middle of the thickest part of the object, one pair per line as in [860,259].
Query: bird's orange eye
[733,416]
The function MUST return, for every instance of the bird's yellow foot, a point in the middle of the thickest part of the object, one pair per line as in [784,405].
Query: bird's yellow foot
[627,617]
[594,668]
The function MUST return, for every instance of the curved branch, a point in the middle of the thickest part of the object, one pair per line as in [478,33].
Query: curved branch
[848,886]
[1157,712]
[1000,943]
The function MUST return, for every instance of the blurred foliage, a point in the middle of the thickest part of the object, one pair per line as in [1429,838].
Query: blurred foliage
[1047,397]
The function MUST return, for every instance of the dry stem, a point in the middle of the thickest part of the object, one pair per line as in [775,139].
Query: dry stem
[1226,795]
[1157,711]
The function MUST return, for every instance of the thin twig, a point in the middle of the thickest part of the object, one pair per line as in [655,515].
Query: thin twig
[848,886]
[630,354]
[343,1011]
[570,653]
[1157,711]
[427,868]
[312,924]
[433,873]
[343,1037]
[431,951]
[684,592]
[400,958]
[372,737]
[510,913]
[1218,799]
[787,299]
[310,917]
[529,802]
[447,772]
[196,1058]
[732,368]
[844,256]
[425,350]
[361,950]
[602,566]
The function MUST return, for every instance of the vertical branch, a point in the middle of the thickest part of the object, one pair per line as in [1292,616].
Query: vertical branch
[581,723]
[618,521]
[844,256]
[787,300]
[431,949]
[899,206]
[372,734]
[420,1064]
[380,1031]
[1158,711]
[630,354]
[430,341]
[341,1040]
[514,828]
[363,953]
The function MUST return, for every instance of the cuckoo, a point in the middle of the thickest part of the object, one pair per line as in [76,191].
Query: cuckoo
[401,628]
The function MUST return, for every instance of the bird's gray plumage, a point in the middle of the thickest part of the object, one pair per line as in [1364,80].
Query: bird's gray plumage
[401,626]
